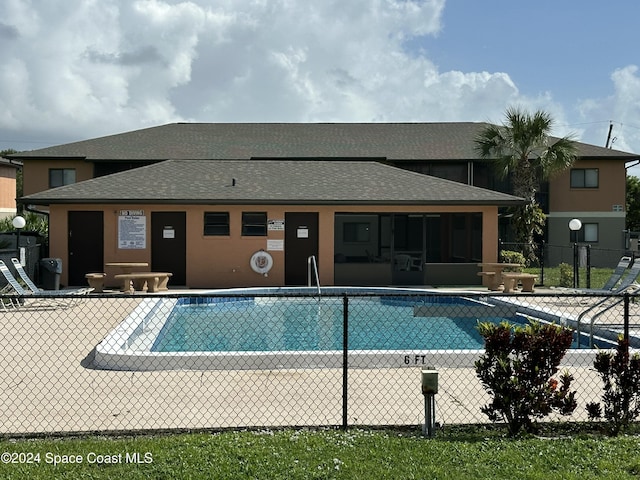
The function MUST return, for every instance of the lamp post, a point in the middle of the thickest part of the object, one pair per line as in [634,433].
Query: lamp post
[18,223]
[574,226]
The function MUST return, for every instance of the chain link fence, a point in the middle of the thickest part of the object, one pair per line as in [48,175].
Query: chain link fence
[112,362]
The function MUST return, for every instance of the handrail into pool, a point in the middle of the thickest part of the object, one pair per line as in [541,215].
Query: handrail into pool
[311,261]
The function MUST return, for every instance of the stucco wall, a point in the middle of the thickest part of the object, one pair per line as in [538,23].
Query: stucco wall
[36,173]
[610,191]
[589,205]
[224,261]
[7,191]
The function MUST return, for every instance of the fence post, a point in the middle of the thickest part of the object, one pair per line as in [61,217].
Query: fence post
[345,361]
[541,247]
[589,266]
[626,318]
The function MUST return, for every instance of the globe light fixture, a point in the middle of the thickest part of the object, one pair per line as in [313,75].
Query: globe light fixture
[19,222]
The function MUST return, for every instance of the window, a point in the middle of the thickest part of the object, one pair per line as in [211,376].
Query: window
[216,223]
[584,178]
[588,233]
[254,224]
[356,232]
[61,176]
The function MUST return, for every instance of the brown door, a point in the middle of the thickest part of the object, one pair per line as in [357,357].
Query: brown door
[301,241]
[169,245]
[85,244]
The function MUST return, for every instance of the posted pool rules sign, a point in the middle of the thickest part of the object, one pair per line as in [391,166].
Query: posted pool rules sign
[132,230]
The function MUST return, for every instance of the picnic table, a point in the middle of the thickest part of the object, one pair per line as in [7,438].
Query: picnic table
[492,271]
[127,267]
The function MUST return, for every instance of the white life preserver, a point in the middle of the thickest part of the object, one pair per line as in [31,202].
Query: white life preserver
[261,262]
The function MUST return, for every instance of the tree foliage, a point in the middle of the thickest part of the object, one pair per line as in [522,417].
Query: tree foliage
[633,203]
[35,222]
[522,148]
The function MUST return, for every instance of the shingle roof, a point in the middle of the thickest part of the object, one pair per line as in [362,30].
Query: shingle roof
[271,182]
[394,141]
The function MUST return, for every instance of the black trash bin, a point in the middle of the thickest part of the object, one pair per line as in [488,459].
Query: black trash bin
[50,270]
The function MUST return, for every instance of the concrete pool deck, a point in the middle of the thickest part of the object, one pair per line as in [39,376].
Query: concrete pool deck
[48,385]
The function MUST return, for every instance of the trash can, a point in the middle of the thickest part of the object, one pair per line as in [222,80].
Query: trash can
[50,270]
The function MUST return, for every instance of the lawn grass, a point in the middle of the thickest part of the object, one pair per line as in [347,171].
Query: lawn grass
[474,452]
[599,276]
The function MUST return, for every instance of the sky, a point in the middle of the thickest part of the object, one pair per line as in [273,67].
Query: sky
[78,69]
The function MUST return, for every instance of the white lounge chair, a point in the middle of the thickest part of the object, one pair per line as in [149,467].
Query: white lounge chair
[628,283]
[35,289]
[20,297]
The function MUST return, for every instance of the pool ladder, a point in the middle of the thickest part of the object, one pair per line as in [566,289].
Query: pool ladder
[312,266]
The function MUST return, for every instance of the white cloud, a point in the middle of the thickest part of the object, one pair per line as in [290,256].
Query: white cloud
[622,108]
[76,69]
[103,66]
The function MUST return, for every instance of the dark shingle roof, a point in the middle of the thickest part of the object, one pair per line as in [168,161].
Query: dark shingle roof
[271,182]
[394,141]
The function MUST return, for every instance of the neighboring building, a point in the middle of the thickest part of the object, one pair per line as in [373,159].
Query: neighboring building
[594,190]
[8,171]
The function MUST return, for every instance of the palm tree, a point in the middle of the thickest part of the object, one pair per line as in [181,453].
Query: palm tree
[521,147]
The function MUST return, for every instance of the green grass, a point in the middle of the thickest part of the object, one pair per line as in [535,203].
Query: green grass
[599,276]
[353,454]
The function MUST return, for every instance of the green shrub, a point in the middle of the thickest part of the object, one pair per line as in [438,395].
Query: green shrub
[620,373]
[35,223]
[566,275]
[517,370]
[510,256]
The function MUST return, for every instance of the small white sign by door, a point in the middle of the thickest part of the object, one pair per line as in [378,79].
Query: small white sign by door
[303,232]
[168,232]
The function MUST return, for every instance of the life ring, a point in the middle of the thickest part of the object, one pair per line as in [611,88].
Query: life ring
[261,262]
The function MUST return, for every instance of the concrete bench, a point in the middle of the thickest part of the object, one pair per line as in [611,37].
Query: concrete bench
[151,281]
[96,281]
[511,280]
[493,279]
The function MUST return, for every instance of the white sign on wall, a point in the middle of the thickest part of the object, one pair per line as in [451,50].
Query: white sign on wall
[132,232]
[275,245]
[275,225]
[168,232]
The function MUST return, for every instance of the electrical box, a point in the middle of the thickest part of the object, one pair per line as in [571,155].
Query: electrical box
[429,382]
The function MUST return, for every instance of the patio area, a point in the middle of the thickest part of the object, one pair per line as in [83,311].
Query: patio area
[48,382]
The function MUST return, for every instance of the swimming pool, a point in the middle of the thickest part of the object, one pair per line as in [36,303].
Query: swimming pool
[262,329]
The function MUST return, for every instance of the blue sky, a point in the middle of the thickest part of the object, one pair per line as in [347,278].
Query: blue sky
[78,69]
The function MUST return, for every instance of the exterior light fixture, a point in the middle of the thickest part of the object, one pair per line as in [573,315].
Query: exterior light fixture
[575,225]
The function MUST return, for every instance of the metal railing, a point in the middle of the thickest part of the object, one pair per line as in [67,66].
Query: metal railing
[312,267]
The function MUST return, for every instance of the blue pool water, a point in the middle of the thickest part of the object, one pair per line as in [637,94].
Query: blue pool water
[304,324]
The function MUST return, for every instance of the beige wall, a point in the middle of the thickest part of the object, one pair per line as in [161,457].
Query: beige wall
[224,261]
[611,189]
[7,191]
[36,173]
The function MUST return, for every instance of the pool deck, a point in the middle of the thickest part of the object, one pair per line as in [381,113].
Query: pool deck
[48,384]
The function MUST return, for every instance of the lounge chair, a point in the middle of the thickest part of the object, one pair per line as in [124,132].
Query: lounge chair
[623,264]
[610,285]
[628,282]
[35,289]
[41,299]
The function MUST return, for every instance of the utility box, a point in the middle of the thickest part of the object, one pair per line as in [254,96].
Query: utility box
[429,382]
